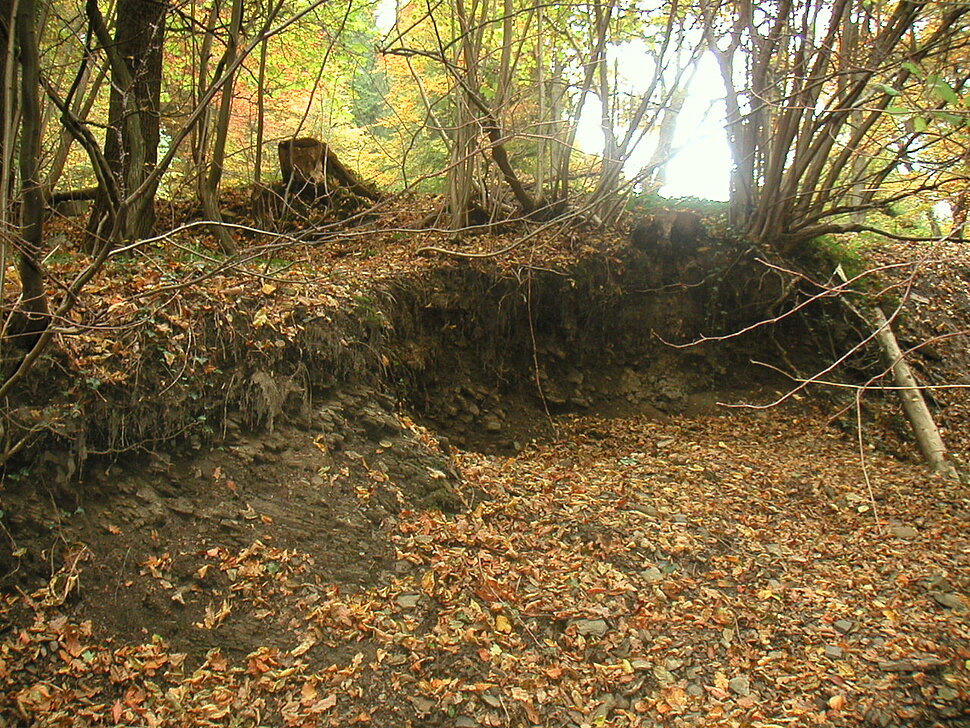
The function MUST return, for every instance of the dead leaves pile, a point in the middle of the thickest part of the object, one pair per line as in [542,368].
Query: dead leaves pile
[726,571]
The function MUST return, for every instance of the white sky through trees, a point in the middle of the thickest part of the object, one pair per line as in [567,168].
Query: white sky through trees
[701,163]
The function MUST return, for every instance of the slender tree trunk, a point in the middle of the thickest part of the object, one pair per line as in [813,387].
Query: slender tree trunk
[960,206]
[461,173]
[660,158]
[33,297]
[131,142]
[8,110]
[924,428]
[542,145]
[80,107]
[260,112]
[210,191]
[592,63]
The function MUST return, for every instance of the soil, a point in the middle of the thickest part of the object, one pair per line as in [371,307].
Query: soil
[538,513]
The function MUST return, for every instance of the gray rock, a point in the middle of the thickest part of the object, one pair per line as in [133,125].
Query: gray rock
[493,424]
[409,601]
[695,690]
[740,685]
[603,711]
[148,494]
[594,627]
[422,705]
[949,600]
[904,532]
[844,625]
[679,518]
[651,575]
[833,652]
[939,582]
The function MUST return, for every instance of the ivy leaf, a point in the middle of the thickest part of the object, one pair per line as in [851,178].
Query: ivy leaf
[886,89]
[920,124]
[912,68]
[946,92]
[953,119]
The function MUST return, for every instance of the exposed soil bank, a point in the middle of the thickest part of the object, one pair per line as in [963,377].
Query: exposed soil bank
[482,354]
[318,558]
[488,358]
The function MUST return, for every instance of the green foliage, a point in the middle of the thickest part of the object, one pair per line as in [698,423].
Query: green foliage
[649,202]
[845,251]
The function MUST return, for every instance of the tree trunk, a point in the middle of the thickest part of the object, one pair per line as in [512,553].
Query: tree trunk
[260,112]
[464,162]
[85,93]
[210,188]
[924,428]
[659,160]
[131,142]
[8,104]
[34,315]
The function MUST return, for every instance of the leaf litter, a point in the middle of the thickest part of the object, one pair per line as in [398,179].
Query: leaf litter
[717,571]
[709,571]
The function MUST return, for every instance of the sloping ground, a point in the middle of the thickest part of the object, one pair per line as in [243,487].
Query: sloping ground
[632,566]
[730,570]
[934,292]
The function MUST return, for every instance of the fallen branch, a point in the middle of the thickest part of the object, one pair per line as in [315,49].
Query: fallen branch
[920,419]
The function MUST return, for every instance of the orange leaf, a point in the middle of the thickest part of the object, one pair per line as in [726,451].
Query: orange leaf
[308,693]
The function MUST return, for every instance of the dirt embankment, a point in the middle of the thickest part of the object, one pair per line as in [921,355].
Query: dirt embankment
[484,355]
[293,552]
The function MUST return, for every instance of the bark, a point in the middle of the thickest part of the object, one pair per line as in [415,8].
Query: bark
[806,129]
[8,111]
[260,112]
[463,168]
[131,142]
[598,51]
[657,166]
[34,314]
[308,162]
[210,189]
[924,428]
[960,204]
[80,101]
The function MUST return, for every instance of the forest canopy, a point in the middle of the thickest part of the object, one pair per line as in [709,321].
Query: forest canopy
[831,111]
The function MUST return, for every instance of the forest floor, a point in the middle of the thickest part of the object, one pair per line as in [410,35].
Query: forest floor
[628,565]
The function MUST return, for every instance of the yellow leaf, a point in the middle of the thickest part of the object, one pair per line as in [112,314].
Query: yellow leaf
[268,288]
[260,319]
[502,624]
